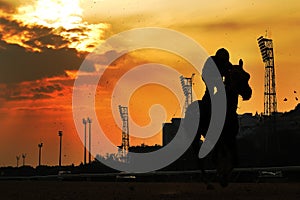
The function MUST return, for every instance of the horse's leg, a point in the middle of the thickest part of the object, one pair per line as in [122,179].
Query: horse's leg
[220,162]
[204,175]
[201,163]
[226,155]
[225,164]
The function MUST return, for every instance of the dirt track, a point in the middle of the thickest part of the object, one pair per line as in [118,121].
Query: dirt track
[45,190]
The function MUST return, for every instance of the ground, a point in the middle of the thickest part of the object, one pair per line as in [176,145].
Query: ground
[11,190]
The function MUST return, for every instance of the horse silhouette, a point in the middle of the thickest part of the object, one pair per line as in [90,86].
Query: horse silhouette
[224,153]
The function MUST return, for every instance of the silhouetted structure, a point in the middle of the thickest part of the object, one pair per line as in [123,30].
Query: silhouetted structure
[144,148]
[169,130]
[60,134]
[272,139]
[90,139]
[270,101]
[24,157]
[18,158]
[187,87]
[125,128]
[287,131]
[40,152]
[84,147]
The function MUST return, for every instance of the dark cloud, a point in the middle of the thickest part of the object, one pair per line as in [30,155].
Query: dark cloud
[37,36]
[18,64]
[91,46]
[29,91]
[49,40]
[75,39]
[41,96]
[78,30]
[29,97]
[39,109]
[48,89]
[17,98]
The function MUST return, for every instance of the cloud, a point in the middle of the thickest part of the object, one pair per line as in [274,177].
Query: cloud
[43,108]
[64,19]
[31,90]
[41,96]
[34,97]
[47,89]
[227,25]
[33,38]
[33,47]
[213,26]
[18,64]
[32,52]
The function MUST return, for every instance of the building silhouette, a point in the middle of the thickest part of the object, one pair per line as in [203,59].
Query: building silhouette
[169,130]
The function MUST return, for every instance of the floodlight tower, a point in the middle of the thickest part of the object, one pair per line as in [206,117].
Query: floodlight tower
[187,87]
[270,101]
[24,156]
[84,121]
[90,139]
[125,128]
[40,152]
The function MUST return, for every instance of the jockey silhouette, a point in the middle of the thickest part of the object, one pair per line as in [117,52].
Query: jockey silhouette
[221,60]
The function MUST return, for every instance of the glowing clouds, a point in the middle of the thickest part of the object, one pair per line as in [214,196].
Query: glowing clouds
[62,18]
[53,13]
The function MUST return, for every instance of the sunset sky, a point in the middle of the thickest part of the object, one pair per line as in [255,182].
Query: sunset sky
[44,42]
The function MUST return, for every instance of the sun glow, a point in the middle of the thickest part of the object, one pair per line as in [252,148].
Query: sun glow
[53,13]
[65,18]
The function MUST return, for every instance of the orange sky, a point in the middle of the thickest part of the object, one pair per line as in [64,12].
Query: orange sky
[43,43]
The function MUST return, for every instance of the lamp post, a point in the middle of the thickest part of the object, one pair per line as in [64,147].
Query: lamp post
[40,152]
[18,158]
[84,121]
[60,133]
[24,156]
[90,138]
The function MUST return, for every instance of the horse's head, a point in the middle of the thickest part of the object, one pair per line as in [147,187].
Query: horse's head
[238,81]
